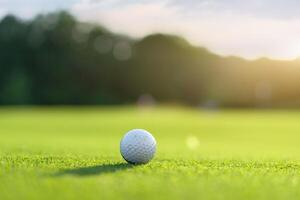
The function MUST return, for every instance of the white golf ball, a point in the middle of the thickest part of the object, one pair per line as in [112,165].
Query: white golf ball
[138,146]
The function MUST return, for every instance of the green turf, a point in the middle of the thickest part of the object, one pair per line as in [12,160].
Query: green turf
[73,153]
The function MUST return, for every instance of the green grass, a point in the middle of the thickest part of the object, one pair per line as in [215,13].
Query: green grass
[73,153]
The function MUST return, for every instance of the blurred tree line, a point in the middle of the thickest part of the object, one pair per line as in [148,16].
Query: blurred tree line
[54,59]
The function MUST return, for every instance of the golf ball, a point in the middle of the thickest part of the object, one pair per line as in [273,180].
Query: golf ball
[138,146]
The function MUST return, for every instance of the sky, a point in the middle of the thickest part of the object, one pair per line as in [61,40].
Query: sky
[251,29]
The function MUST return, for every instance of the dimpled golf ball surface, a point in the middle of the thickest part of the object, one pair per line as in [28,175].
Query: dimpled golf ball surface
[138,146]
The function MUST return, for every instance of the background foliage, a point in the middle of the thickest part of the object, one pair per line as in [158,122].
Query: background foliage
[54,59]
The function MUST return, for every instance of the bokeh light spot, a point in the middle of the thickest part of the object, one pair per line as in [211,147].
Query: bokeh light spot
[122,51]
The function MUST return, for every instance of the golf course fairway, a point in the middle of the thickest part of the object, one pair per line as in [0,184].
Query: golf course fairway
[73,153]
